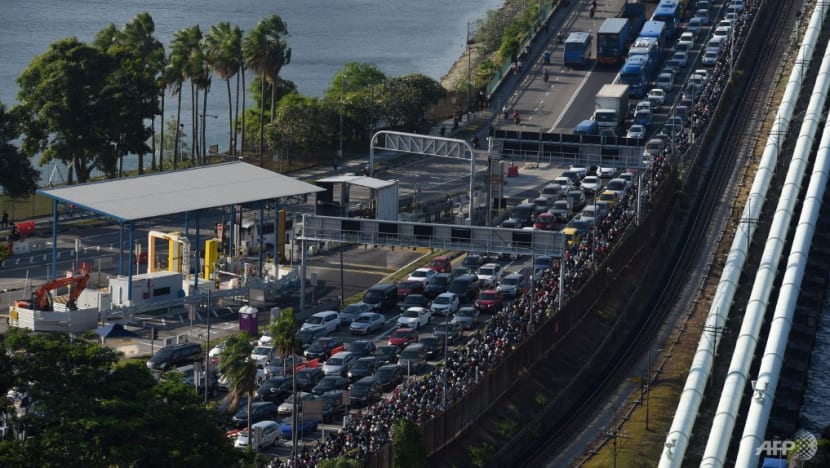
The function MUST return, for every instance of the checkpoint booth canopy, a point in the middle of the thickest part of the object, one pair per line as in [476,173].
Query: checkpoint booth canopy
[150,196]
[385,195]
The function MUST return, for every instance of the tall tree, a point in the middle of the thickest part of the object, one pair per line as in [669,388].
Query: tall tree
[408,98]
[266,51]
[187,49]
[176,74]
[408,449]
[223,46]
[301,128]
[240,370]
[71,109]
[17,176]
[285,341]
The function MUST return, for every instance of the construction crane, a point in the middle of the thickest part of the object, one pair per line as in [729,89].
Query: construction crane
[42,297]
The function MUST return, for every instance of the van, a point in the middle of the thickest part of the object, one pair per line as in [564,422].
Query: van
[587,127]
[381,297]
[265,433]
[413,358]
[175,355]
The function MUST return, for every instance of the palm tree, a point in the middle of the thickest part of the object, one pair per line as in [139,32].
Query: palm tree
[175,74]
[266,51]
[186,48]
[239,369]
[283,333]
[223,46]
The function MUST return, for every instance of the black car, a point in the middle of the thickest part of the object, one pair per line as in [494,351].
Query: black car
[433,345]
[436,285]
[414,300]
[466,287]
[333,405]
[365,391]
[460,271]
[275,389]
[322,348]
[260,411]
[389,376]
[308,377]
[448,330]
[361,348]
[472,261]
[329,383]
[308,336]
[175,355]
[386,354]
[363,367]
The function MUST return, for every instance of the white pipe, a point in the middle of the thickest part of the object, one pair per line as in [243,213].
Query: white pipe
[677,440]
[723,424]
[760,405]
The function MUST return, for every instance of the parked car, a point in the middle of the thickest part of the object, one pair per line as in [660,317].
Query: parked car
[407,287]
[467,317]
[610,197]
[260,411]
[308,377]
[328,320]
[403,336]
[472,261]
[329,383]
[415,317]
[544,222]
[560,210]
[466,287]
[363,367]
[351,311]
[643,118]
[636,131]
[269,434]
[591,184]
[657,96]
[323,347]
[275,389]
[287,406]
[339,363]
[414,300]
[665,81]
[413,358]
[541,264]
[389,376]
[306,426]
[361,348]
[433,345]
[422,275]
[367,323]
[441,264]
[333,405]
[489,300]
[445,304]
[386,354]
[619,185]
[365,391]
[307,336]
[436,285]
[175,355]
[449,331]
[489,275]
[263,355]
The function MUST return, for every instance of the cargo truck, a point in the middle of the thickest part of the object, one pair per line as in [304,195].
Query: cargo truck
[613,37]
[611,106]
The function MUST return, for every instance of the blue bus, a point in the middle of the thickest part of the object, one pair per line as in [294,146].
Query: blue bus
[648,47]
[577,49]
[656,30]
[613,37]
[668,11]
[634,73]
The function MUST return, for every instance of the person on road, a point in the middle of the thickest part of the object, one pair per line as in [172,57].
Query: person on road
[545,75]
[516,117]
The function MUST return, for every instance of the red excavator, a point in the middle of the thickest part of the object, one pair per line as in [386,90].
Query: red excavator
[42,297]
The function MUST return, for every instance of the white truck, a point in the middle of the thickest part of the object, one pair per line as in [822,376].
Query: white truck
[611,107]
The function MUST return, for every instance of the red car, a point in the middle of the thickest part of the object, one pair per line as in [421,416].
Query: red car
[545,222]
[489,300]
[441,264]
[406,288]
[403,336]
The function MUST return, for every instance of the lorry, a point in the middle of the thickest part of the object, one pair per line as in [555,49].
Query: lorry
[635,13]
[613,37]
[577,49]
[611,106]
[635,74]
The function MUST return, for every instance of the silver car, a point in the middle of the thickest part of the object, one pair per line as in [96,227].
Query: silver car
[339,363]
[366,323]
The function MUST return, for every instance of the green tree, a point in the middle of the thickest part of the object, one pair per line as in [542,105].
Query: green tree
[188,62]
[283,331]
[70,109]
[223,46]
[406,100]
[266,51]
[17,176]
[339,462]
[361,85]
[240,370]
[408,445]
[84,410]
[299,128]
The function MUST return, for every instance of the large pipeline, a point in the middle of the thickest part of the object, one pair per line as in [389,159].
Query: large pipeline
[768,374]
[745,346]
[677,440]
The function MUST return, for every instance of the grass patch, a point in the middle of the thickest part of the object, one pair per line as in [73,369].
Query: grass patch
[507,428]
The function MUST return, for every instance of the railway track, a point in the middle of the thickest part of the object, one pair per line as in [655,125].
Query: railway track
[714,168]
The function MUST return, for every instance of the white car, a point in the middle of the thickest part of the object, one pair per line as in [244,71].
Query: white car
[415,317]
[591,184]
[682,58]
[605,171]
[328,320]
[490,274]
[216,350]
[665,81]
[339,364]
[636,131]
[263,355]
[737,5]
[269,434]
[581,171]
[445,304]
[657,96]
[422,275]
[619,185]
[710,57]
[643,105]
[564,182]
[722,31]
